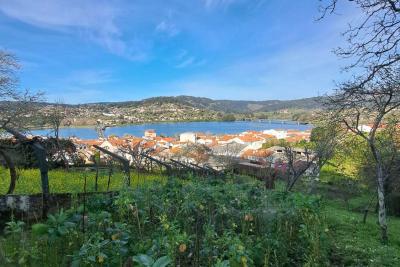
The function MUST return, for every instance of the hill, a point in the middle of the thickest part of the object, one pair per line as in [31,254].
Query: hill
[187,108]
[229,106]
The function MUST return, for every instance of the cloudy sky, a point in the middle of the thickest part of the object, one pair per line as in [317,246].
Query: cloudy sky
[94,50]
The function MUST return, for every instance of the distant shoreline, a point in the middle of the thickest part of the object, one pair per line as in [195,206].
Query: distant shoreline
[89,126]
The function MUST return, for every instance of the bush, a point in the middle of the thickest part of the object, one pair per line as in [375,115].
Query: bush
[189,222]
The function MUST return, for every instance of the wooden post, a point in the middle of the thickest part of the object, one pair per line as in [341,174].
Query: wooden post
[40,153]
[96,163]
[84,203]
[13,172]
[159,162]
[124,161]
[109,176]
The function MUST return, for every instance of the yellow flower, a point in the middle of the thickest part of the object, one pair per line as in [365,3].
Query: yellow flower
[182,248]
[248,218]
[115,237]
[243,259]
[101,259]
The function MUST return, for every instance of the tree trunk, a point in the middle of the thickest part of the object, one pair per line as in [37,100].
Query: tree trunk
[59,148]
[97,177]
[109,179]
[13,172]
[313,178]
[381,204]
[380,179]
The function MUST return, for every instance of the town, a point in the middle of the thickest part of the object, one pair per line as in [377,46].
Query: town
[194,147]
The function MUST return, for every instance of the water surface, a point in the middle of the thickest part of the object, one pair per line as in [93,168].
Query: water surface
[174,129]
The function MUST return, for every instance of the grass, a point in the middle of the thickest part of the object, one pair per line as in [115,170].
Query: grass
[72,181]
[193,221]
[358,244]
[352,243]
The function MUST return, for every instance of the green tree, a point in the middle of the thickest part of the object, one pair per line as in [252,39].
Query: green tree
[229,117]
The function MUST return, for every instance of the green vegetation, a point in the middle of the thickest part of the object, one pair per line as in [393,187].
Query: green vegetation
[188,222]
[354,243]
[62,181]
[229,117]
[207,222]
[182,109]
[358,244]
[194,221]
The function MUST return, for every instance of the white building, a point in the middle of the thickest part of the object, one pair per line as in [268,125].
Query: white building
[150,134]
[365,128]
[279,134]
[188,137]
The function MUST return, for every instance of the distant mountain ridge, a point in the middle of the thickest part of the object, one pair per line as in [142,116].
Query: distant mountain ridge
[183,108]
[227,106]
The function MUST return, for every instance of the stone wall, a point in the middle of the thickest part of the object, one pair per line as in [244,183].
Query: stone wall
[29,207]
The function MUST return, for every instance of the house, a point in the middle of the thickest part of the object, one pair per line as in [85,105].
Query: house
[207,140]
[165,142]
[188,137]
[257,155]
[365,128]
[251,141]
[279,134]
[230,149]
[150,133]
[225,139]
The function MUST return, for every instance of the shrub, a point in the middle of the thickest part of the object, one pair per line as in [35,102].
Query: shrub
[188,222]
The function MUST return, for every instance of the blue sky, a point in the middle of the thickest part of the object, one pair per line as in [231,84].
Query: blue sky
[92,50]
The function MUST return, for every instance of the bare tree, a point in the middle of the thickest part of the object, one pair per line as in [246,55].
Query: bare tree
[55,117]
[324,140]
[388,143]
[16,107]
[199,153]
[373,42]
[374,46]
[227,155]
[297,160]
[137,153]
[370,102]
[100,129]
[307,158]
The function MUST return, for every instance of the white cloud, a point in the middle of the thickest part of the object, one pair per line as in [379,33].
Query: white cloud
[80,86]
[186,62]
[184,59]
[89,77]
[90,19]
[301,70]
[218,3]
[168,28]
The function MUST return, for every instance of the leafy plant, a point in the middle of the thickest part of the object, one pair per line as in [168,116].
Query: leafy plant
[147,261]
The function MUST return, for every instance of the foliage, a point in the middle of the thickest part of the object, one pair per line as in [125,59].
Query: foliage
[183,222]
[23,155]
[148,261]
[229,117]
[271,142]
[358,244]
[72,181]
